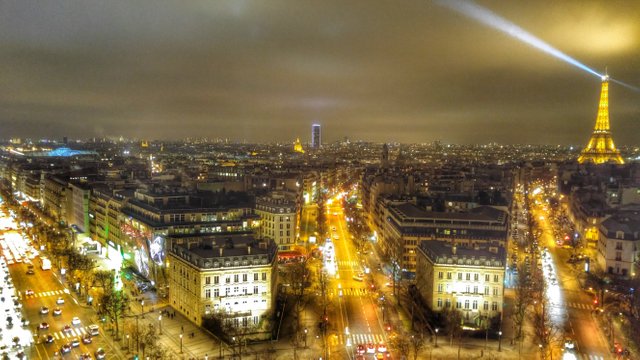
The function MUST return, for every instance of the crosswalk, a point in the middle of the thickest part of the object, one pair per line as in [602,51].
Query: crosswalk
[357,339]
[580,306]
[343,264]
[48,293]
[590,357]
[59,335]
[350,292]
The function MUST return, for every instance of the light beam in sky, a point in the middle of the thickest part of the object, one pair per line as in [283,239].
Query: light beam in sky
[493,20]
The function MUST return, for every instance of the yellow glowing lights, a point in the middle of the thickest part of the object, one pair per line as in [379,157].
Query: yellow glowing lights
[600,149]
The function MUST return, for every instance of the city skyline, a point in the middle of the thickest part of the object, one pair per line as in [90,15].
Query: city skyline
[262,73]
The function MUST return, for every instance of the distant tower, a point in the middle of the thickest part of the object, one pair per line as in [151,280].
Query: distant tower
[601,148]
[65,140]
[384,161]
[316,140]
[297,146]
[144,144]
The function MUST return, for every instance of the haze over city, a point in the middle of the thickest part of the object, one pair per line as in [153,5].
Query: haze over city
[263,71]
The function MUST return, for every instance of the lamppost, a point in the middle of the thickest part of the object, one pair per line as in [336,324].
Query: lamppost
[142,306]
[305,337]
[180,343]
[160,323]
[436,345]
[128,343]
[499,340]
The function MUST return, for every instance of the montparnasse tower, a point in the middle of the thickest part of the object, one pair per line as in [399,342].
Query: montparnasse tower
[601,149]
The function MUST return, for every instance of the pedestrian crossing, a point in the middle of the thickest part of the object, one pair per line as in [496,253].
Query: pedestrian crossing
[590,357]
[351,292]
[48,293]
[350,264]
[580,306]
[357,339]
[60,335]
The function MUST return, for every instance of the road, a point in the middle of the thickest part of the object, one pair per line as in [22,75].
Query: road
[47,288]
[357,314]
[573,304]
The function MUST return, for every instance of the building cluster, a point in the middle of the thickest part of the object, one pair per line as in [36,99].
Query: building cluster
[188,217]
[603,203]
[445,226]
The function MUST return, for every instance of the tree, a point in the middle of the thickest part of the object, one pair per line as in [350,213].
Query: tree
[322,215]
[417,343]
[402,345]
[544,328]
[103,279]
[238,334]
[452,323]
[114,303]
[523,299]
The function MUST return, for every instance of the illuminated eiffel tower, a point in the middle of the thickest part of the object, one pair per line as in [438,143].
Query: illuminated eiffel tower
[601,148]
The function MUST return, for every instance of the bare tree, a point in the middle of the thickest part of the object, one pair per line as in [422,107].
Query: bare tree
[402,345]
[545,330]
[452,322]
[417,344]
[523,299]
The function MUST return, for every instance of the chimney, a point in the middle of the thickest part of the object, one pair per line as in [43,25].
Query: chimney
[453,249]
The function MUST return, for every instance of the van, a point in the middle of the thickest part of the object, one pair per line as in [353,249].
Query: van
[94,330]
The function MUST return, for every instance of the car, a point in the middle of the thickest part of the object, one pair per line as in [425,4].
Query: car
[381,356]
[382,348]
[371,349]
[85,356]
[17,304]
[30,272]
[87,339]
[24,322]
[28,292]
[75,321]
[60,301]
[57,311]
[66,348]
[569,344]
[360,349]
[75,342]
[48,339]
[100,354]
[94,330]
[43,325]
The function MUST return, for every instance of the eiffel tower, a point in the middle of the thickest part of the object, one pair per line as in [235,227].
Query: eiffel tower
[601,148]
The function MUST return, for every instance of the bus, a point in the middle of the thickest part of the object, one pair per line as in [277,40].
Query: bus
[46,264]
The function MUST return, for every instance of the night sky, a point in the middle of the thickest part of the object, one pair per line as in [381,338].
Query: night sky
[265,70]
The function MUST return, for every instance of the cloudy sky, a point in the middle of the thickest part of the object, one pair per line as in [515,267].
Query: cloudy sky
[265,70]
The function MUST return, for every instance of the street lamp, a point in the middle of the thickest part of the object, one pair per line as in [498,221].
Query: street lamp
[142,306]
[305,337]
[436,345]
[499,340]
[160,323]
[128,343]
[180,343]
